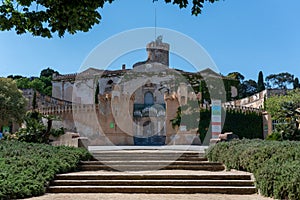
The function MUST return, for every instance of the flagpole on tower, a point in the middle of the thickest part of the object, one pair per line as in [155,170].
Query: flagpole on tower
[155,25]
[155,20]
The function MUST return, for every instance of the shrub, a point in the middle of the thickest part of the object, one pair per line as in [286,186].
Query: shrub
[27,168]
[35,130]
[284,109]
[275,165]
[275,136]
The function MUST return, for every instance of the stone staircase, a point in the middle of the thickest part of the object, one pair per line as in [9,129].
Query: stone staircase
[150,160]
[135,172]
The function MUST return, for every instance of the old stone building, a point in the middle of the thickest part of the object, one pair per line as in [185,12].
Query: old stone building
[130,106]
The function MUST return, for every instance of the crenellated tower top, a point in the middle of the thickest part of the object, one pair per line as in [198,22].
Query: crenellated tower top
[158,51]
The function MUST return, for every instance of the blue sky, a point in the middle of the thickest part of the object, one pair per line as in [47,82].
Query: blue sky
[240,35]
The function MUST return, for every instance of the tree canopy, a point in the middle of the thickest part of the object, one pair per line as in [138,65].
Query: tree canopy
[12,102]
[248,88]
[274,104]
[41,84]
[236,75]
[43,18]
[48,73]
[280,81]
[286,110]
[245,87]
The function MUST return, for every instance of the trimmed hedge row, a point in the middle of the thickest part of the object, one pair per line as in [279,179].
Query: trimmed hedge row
[244,124]
[27,168]
[275,165]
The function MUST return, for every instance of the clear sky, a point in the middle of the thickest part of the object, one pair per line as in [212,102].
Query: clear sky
[240,35]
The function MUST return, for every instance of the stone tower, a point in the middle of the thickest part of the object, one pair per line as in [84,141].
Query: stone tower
[158,51]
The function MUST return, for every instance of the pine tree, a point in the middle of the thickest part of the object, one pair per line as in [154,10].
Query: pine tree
[260,82]
[296,83]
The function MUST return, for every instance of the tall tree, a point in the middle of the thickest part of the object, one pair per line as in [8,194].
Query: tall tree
[280,81]
[46,76]
[42,84]
[274,103]
[23,83]
[285,109]
[38,85]
[34,103]
[260,82]
[14,77]
[236,75]
[248,88]
[12,102]
[43,18]
[240,79]
[48,72]
[296,83]
[97,93]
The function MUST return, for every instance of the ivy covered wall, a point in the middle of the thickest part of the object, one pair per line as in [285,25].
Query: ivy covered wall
[245,124]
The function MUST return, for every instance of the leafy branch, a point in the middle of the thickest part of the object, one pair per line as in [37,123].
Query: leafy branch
[45,17]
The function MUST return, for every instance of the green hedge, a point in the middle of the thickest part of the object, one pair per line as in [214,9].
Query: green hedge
[26,168]
[275,165]
[244,124]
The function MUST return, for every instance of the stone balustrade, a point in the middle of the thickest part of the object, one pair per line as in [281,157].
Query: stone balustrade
[60,109]
[43,100]
[232,107]
[68,108]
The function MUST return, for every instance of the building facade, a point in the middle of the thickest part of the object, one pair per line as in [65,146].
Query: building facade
[130,106]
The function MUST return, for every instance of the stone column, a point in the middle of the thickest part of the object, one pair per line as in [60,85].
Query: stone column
[171,110]
[158,127]
[267,124]
[63,90]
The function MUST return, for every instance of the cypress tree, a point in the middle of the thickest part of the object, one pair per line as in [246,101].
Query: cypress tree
[34,104]
[260,82]
[96,93]
[296,83]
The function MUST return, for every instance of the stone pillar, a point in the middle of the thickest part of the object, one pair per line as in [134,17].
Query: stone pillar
[63,90]
[171,110]
[159,127]
[267,124]
[138,133]
[182,93]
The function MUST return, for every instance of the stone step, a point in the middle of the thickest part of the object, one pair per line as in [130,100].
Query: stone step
[169,182]
[124,167]
[166,182]
[153,177]
[148,154]
[166,158]
[141,151]
[149,162]
[153,189]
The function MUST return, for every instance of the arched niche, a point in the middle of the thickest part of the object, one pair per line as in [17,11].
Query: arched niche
[148,98]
